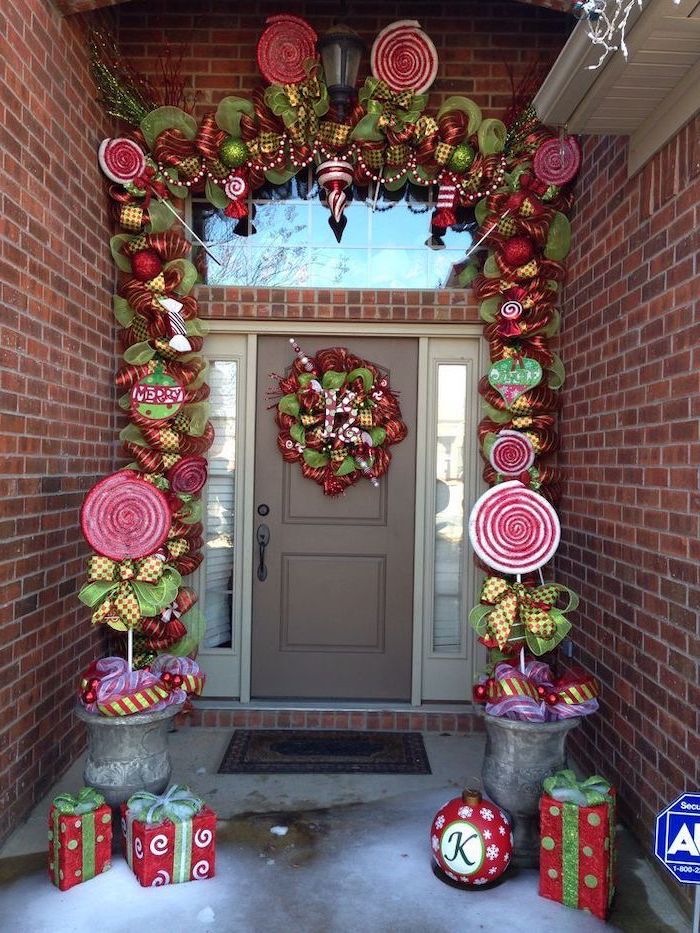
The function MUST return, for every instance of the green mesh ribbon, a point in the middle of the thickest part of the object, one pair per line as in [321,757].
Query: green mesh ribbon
[85,801]
[564,786]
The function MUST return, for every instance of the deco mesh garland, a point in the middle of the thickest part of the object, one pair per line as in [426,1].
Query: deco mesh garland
[514,180]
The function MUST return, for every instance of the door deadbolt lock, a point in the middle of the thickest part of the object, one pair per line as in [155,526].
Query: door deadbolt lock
[263,509]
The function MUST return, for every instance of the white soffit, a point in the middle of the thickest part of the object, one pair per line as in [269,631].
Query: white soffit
[647,97]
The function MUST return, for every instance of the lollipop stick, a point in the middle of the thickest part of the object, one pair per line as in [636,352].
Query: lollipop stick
[487,234]
[522,660]
[130,649]
[189,229]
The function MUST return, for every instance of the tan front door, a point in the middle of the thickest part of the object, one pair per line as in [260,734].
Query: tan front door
[333,617]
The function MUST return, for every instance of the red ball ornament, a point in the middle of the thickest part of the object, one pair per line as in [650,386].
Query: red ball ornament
[518,251]
[480,693]
[90,696]
[551,699]
[471,839]
[146,265]
[166,677]
[177,680]
[541,691]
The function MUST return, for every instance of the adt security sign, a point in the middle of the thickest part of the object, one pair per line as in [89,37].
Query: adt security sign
[677,842]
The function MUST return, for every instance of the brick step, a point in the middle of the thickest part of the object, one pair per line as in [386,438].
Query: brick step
[465,720]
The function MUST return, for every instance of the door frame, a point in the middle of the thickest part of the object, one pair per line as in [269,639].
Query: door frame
[423,331]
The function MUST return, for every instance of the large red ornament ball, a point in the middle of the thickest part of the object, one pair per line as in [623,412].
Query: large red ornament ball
[471,839]
[517,251]
[146,265]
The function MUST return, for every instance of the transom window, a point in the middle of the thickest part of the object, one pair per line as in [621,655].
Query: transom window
[383,244]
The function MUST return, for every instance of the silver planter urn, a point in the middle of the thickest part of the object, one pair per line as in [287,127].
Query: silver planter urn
[127,753]
[519,756]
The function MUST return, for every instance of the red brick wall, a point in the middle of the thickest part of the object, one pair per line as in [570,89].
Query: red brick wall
[56,400]
[631,450]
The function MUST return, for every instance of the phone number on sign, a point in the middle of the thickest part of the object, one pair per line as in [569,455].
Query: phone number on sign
[687,869]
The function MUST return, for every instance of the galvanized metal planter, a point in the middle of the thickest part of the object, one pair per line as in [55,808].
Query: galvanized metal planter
[519,756]
[127,753]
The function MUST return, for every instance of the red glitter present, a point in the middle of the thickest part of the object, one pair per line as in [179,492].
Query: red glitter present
[577,855]
[170,852]
[80,843]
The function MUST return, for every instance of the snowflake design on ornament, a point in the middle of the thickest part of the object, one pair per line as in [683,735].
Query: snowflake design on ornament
[487,834]
[502,830]
[493,870]
[506,857]
[492,852]
[486,813]
[465,812]
[452,875]
[440,822]
[481,881]
[435,843]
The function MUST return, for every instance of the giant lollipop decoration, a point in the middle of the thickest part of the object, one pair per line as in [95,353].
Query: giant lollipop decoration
[557,161]
[334,176]
[124,517]
[512,453]
[514,529]
[404,57]
[286,43]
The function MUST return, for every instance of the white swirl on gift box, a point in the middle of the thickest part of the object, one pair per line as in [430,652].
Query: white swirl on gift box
[202,838]
[513,529]
[201,869]
[161,878]
[159,844]
[138,848]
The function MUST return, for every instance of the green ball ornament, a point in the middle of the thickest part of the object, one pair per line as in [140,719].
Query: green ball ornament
[462,158]
[233,152]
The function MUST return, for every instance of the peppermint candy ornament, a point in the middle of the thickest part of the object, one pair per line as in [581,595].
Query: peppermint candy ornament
[286,43]
[557,161]
[471,840]
[404,57]
[513,529]
[121,160]
[512,453]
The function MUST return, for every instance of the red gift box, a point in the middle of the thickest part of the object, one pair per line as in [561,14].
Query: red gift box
[170,852]
[577,854]
[80,845]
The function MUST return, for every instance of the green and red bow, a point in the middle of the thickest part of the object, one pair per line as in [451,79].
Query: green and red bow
[510,613]
[123,592]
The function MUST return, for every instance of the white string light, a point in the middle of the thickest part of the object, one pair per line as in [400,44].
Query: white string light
[607,24]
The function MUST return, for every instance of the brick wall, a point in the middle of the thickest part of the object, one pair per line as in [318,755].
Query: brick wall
[56,401]
[631,450]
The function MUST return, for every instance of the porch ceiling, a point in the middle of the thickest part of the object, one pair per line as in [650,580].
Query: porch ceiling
[67,7]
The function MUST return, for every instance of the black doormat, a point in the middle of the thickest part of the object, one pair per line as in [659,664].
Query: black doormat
[317,751]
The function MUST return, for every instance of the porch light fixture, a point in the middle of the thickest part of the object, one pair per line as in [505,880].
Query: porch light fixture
[341,50]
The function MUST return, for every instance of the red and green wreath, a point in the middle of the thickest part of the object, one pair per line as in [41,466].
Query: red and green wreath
[337,418]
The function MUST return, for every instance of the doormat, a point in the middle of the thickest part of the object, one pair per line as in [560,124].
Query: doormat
[317,751]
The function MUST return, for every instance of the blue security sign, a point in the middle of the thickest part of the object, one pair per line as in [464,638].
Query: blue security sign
[677,842]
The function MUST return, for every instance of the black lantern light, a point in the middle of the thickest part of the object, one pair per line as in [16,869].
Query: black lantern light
[341,50]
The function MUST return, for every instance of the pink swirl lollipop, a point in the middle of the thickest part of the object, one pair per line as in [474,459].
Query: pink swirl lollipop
[405,57]
[513,529]
[286,43]
[123,516]
[511,310]
[512,453]
[236,187]
[557,161]
[121,160]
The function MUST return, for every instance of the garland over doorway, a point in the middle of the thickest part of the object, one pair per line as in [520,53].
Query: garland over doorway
[512,180]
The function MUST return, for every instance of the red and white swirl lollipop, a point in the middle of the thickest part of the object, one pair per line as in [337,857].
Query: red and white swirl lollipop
[511,310]
[236,187]
[513,529]
[557,161]
[286,43]
[405,57]
[123,516]
[121,160]
[512,453]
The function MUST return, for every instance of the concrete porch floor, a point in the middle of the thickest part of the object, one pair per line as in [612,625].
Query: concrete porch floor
[355,857]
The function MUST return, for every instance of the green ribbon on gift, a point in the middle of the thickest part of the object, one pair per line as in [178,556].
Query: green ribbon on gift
[386,110]
[565,787]
[85,801]
[83,804]
[178,804]
[300,105]
[574,794]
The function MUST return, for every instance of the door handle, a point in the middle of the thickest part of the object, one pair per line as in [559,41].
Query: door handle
[262,536]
